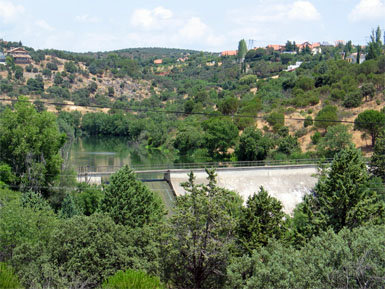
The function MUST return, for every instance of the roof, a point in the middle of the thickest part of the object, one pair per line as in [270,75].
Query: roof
[17,50]
[158,61]
[229,53]
[275,46]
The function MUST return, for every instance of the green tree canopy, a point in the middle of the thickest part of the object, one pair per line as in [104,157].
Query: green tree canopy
[253,145]
[129,202]
[29,144]
[202,234]
[370,121]
[262,219]
[242,49]
[336,139]
[326,117]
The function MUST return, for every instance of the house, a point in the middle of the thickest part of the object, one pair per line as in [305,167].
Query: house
[229,53]
[316,50]
[303,45]
[276,47]
[352,58]
[158,61]
[339,42]
[20,55]
[294,67]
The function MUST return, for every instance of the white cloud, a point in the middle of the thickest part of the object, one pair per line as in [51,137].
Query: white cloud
[303,10]
[85,18]
[277,12]
[9,11]
[194,29]
[368,10]
[150,19]
[44,25]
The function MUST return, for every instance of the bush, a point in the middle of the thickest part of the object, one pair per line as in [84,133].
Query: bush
[353,99]
[8,279]
[132,279]
[315,138]
[308,121]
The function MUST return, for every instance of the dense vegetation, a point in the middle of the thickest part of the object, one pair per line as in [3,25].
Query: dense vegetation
[57,233]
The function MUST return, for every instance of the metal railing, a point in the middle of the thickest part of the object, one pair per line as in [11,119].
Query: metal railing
[188,166]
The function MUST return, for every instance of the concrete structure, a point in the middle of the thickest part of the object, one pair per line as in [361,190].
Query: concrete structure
[287,183]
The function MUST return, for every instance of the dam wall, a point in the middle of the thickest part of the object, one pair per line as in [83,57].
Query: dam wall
[286,183]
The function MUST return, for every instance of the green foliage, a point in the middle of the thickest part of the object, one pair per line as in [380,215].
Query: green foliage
[201,235]
[88,199]
[70,67]
[326,117]
[308,121]
[262,219]
[8,279]
[129,202]
[131,279]
[342,197]
[229,105]
[353,99]
[30,143]
[377,161]
[220,134]
[84,251]
[23,223]
[371,122]
[349,259]
[336,139]
[188,139]
[253,145]
[276,120]
[315,138]
[288,145]
[375,44]
[242,49]
[248,79]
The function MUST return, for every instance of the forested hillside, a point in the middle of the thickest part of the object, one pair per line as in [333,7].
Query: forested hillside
[216,97]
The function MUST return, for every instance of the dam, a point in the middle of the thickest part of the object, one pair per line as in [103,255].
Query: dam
[287,183]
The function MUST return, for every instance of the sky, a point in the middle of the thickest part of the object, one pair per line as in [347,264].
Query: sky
[211,25]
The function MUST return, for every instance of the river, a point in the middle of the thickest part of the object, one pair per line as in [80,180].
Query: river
[116,152]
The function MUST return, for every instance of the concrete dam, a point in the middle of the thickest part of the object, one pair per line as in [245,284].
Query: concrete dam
[287,183]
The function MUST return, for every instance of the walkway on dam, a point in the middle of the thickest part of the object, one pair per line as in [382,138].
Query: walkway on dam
[286,182]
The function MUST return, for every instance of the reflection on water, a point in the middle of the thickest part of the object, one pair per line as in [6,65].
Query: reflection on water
[112,151]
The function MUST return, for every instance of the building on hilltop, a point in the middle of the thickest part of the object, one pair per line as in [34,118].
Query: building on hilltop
[352,58]
[229,53]
[20,55]
[276,47]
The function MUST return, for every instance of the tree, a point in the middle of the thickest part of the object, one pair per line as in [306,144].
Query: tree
[326,117]
[220,134]
[229,105]
[253,146]
[83,251]
[201,235]
[129,202]
[375,44]
[262,219]
[371,122]
[349,259]
[336,139]
[30,144]
[368,90]
[276,120]
[242,50]
[70,67]
[18,72]
[342,197]
[377,161]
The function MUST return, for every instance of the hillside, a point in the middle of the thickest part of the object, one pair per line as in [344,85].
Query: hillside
[257,92]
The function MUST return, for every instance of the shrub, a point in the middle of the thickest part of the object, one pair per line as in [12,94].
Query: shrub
[353,99]
[8,279]
[315,138]
[308,121]
[132,279]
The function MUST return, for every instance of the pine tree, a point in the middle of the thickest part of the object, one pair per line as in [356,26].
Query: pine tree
[377,161]
[242,50]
